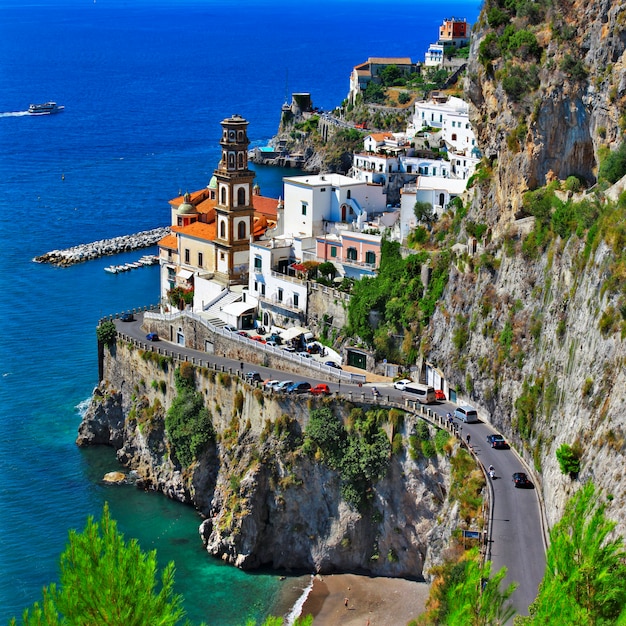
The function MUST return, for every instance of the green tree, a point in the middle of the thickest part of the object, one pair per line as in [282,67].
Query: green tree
[585,577]
[374,93]
[391,75]
[106,580]
[106,332]
[424,212]
[467,594]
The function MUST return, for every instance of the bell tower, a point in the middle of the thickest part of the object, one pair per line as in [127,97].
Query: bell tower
[234,209]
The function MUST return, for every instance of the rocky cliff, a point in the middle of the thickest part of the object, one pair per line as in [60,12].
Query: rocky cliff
[264,500]
[532,327]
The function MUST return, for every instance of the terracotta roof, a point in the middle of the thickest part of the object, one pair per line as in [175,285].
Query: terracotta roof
[381,136]
[265,206]
[195,197]
[390,60]
[200,230]
[361,66]
[169,241]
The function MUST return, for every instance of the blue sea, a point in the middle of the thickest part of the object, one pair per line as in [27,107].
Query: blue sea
[145,84]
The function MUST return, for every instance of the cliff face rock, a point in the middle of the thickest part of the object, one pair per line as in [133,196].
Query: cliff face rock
[266,502]
[566,103]
[535,341]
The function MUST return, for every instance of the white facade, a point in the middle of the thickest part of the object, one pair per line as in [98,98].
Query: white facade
[312,200]
[435,190]
[434,55]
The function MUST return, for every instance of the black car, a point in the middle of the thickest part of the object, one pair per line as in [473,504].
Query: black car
[301,387]
[497,441]
[127,317]
[521,480]
[254,377]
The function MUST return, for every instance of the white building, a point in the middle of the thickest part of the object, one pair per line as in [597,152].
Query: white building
[434,55]
[435,190]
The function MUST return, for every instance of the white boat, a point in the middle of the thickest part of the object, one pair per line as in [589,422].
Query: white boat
[45,109]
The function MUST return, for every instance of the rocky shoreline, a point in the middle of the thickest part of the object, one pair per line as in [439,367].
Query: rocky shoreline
[104,247]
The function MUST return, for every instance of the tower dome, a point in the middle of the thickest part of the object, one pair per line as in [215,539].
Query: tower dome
[186,208]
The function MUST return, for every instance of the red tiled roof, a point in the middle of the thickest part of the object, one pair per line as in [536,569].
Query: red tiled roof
[169,241]
[200,230]
[265,206]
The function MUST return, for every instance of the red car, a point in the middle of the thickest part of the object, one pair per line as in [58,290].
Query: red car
[320,390]
[257,338]
[439,394]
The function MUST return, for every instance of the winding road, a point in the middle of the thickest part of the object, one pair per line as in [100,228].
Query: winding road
[516,536]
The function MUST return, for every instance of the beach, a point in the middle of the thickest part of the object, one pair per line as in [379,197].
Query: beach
[354,600]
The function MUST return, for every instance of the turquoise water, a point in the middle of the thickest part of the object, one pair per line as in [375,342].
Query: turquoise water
[145,85]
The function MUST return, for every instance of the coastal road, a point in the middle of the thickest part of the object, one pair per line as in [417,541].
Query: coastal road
[516,538]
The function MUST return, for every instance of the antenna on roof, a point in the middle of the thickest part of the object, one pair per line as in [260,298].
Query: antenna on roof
[286,85]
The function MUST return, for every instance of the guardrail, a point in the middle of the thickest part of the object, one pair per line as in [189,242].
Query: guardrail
[293,357]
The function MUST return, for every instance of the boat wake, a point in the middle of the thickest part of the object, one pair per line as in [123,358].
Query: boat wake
[14,114]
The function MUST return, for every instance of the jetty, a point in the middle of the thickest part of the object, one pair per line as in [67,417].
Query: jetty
[104,247]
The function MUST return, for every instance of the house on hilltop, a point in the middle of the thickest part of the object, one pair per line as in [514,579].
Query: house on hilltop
[369,71]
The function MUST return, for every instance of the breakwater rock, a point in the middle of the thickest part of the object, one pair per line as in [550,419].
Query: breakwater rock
[104,247]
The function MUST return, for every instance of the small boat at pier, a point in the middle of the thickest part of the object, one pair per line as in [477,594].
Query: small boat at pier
[148,259]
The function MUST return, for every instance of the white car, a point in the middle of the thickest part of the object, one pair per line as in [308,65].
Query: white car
[282,385]
[271,384]
[401,384]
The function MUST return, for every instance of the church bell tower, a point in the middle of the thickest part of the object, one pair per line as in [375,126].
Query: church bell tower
[234,209]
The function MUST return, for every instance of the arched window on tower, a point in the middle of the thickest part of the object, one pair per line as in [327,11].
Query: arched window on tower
[241,196]
[240,160]
[223,229]
[231,160]
[223,195]
[241,230]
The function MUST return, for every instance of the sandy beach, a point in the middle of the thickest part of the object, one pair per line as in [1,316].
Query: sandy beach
[352,600]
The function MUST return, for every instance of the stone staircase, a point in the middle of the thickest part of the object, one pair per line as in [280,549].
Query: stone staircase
[214,313]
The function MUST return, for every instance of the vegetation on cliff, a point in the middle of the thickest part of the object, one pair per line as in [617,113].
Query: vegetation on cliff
[188,420]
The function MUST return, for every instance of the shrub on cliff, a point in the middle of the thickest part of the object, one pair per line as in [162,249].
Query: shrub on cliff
[188,421]
[106,333]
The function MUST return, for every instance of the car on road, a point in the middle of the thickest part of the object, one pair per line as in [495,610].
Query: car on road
[282,385]
[243,333]
[270,383]
[271,343]
[230,328]
[321,389]
[152,337]
[127,317]
[304,355]
[521,480]
[497,441]
[257,338]
[332,364]
[401,384]
[440,395]
[299,387]
[289,349]
[253,377]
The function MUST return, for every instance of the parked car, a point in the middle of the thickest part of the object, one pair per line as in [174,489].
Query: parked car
[289,349]
[304,355]
[299,387]
[440,395]
[276,338]
[320,390]
[521,480]
[127,317]
[332,364]
[271,343]
[283,384]
[243,333]
[230,328]
[497,441]
[401,384]
[254,377]
[152,337]
[271,383]
[257,338]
